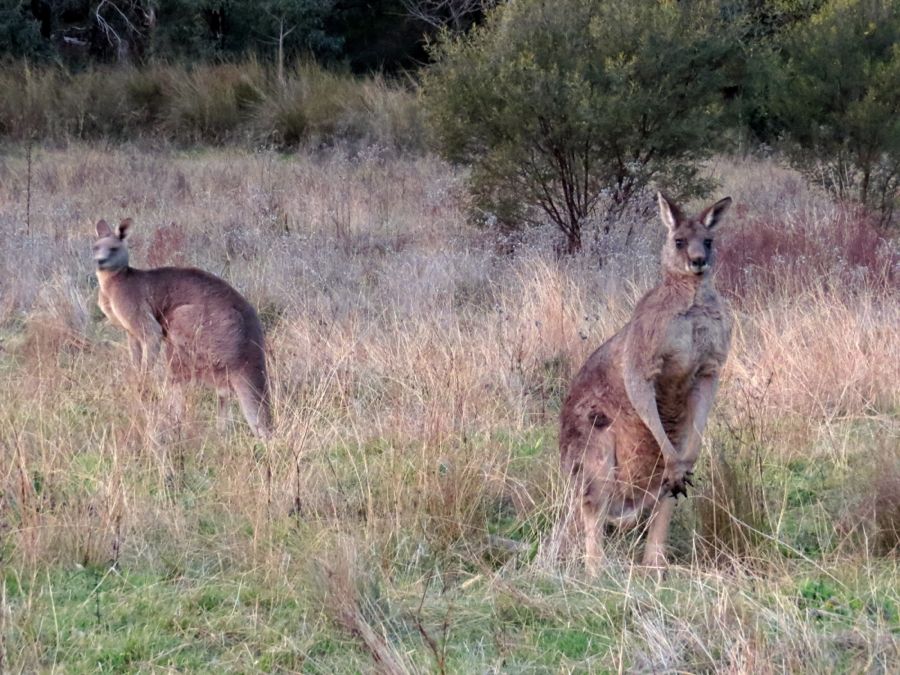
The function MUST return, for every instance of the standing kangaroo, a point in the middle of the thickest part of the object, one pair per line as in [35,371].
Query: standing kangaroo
[631,424]
[212,334]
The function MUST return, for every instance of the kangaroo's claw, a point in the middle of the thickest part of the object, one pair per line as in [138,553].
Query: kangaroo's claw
[675,482]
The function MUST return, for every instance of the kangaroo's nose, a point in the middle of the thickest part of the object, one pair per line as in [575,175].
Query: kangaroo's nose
[698,263]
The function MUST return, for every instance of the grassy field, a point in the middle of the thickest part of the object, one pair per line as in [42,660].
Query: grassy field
[402,517]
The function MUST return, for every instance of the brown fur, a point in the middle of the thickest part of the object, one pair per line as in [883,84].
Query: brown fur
[631,424]
[211,333]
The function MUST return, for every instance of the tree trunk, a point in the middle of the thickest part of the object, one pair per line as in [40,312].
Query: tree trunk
[280,65]
[573,239]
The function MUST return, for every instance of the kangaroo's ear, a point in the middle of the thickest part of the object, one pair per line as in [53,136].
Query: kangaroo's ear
[668,212]
[103,229]
[714,213]
[122,229]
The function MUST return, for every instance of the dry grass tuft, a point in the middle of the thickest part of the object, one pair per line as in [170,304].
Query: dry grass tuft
[224,104]
[344,603]
[730,516]
[58,324]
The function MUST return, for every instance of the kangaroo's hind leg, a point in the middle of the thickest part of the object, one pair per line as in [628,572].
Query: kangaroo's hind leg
[223,418]
[175,394]
[594,479]
[655,545]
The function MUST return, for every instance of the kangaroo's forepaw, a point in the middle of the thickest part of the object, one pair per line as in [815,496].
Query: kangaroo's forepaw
[676,482]
[678,489]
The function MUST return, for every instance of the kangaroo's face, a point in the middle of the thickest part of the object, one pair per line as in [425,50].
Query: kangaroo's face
[690,242]
[110,251]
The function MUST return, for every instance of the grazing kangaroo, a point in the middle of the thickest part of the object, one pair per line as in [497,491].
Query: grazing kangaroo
[212,334]
[631,424]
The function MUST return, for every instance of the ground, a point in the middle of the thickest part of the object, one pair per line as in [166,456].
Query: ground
[403,516]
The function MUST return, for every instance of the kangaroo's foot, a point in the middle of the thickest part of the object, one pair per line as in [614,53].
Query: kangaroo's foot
[593,537]
[654,558]
[594,563]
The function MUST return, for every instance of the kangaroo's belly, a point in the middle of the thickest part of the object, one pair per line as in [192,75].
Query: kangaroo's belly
[189,364]
[637,475]
[639,462]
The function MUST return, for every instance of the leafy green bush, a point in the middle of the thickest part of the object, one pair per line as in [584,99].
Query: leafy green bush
[837,98]
[19,32]
[572,108]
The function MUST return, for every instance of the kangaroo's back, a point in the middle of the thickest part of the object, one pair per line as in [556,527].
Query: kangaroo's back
[200,312]
[596,398]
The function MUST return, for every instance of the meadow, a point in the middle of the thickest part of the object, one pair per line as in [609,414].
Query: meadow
[404,516]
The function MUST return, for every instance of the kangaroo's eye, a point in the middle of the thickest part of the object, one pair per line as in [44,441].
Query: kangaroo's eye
[707,243]
[679,243]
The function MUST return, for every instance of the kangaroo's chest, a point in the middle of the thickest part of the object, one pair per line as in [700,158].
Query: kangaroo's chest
[696,339]
[121,306]
[104,300]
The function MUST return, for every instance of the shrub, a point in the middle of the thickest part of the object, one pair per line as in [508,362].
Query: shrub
[572,108]
[875,511]
[838,101]
[886,503]
[20,34]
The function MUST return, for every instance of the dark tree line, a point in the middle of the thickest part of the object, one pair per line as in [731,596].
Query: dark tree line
[365,34]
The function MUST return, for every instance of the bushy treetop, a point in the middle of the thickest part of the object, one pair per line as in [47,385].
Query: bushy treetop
[571,108]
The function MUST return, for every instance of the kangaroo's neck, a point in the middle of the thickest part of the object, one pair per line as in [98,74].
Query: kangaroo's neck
[687,288]
[108,278]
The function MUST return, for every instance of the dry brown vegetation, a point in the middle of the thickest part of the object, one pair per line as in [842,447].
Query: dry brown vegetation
[403,514]
[242,103]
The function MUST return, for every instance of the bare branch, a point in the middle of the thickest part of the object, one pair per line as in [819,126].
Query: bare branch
[451,14]
[135,7]
[104,25]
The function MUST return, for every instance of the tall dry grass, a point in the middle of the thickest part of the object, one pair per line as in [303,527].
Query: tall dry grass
[241,104]
[417,377]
